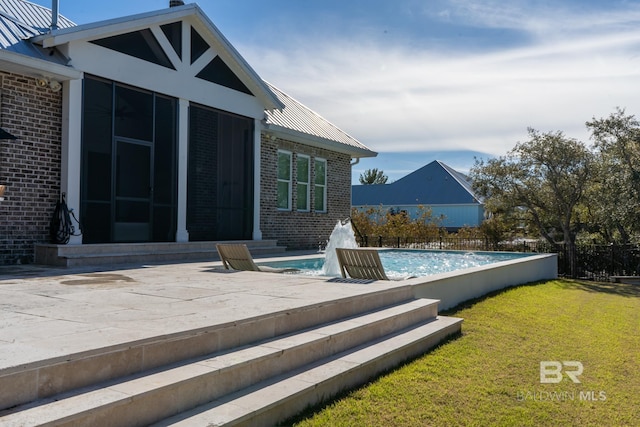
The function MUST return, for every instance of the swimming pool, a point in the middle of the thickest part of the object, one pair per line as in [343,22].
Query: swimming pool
[400,263]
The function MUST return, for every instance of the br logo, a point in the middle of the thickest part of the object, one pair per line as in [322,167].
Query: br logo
[551,371]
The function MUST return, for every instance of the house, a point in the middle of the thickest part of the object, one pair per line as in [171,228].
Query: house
[155,129]
[448,193]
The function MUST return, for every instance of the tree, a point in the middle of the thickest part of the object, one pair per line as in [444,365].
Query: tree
[615,204]
[373,176]
[543,179]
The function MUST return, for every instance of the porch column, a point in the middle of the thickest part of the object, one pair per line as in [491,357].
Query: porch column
[72,149]
[257,178]
[182,235]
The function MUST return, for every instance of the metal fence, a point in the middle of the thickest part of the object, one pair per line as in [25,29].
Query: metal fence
[594,262]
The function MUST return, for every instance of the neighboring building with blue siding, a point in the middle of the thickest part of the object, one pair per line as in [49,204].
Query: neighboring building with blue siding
[448,193]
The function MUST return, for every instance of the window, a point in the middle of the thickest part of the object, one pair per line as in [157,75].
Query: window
[198,46]
[140,44]
[284,180]
[218,72]
[173,33]
[320,187]
[302,185]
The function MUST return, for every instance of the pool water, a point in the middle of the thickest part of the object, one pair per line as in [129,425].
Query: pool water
[400,263]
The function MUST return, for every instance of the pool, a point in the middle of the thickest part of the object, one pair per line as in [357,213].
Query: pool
[399,263]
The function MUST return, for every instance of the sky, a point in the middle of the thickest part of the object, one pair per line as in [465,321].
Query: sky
[424,80]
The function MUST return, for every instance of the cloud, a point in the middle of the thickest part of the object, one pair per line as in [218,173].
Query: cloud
[405,98]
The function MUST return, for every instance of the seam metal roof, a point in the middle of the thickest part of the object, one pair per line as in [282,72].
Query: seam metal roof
[297,117]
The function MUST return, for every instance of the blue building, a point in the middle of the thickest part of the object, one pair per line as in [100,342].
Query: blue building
[447,192]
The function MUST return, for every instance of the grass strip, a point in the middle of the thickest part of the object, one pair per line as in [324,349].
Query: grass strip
[490,375]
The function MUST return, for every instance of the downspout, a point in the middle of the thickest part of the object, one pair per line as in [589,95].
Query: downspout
[356,162]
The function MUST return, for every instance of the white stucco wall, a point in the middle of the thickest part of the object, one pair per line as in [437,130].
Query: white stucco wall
[459,286]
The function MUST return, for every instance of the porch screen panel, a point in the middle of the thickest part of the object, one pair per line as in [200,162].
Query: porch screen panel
[203,162]
[220,179]
[97,153]
[165,171]
[129,153]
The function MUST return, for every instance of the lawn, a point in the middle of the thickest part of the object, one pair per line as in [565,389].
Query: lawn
[491,374]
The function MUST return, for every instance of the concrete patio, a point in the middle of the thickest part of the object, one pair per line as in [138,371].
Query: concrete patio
[193,344]
[70,333]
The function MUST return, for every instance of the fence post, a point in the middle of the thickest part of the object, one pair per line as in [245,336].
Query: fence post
[613,260]
[379,241]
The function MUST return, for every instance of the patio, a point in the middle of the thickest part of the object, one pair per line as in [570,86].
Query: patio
[64,330]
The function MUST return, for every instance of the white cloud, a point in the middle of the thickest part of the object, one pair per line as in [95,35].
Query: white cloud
[397,99]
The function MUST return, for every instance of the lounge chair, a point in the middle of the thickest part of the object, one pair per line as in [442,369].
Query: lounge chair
[236,256]
[360,264]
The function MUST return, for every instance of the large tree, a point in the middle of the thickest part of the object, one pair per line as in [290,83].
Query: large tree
[544,180]
[373,176]
[615,197]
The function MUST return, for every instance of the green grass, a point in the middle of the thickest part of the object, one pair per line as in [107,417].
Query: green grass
[490,374]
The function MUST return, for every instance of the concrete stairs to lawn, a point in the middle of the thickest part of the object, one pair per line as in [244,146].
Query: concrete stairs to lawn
[256,371]
[129,253]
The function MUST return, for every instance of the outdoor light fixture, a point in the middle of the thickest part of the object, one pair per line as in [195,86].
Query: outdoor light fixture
[43,82]
[2,188]
[55,85]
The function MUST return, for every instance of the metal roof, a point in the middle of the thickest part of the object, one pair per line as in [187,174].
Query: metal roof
[307,123]
[20,21]
[433,184]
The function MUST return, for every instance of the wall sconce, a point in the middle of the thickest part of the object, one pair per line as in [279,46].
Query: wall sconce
[43,82]
[55,85]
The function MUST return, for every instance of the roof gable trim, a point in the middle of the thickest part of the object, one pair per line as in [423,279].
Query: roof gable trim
[315,141]
[152,20]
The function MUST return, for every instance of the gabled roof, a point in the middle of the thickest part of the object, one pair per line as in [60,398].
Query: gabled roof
[433,184]
[28,43]
[301,124]
[225,50]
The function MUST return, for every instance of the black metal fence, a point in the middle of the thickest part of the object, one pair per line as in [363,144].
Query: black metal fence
[594,262]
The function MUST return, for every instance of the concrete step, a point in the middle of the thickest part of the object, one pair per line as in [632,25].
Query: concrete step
[151,252]
[50,377]
[157,394]
[277,399]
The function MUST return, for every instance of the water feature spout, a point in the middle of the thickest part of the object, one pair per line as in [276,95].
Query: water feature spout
[342,236]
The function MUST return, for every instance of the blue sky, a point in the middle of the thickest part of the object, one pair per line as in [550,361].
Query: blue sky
[421,80]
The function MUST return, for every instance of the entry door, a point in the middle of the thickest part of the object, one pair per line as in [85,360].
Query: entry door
[133,192]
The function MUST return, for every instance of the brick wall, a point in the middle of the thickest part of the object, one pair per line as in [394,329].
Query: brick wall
[29,166]
[302,230]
